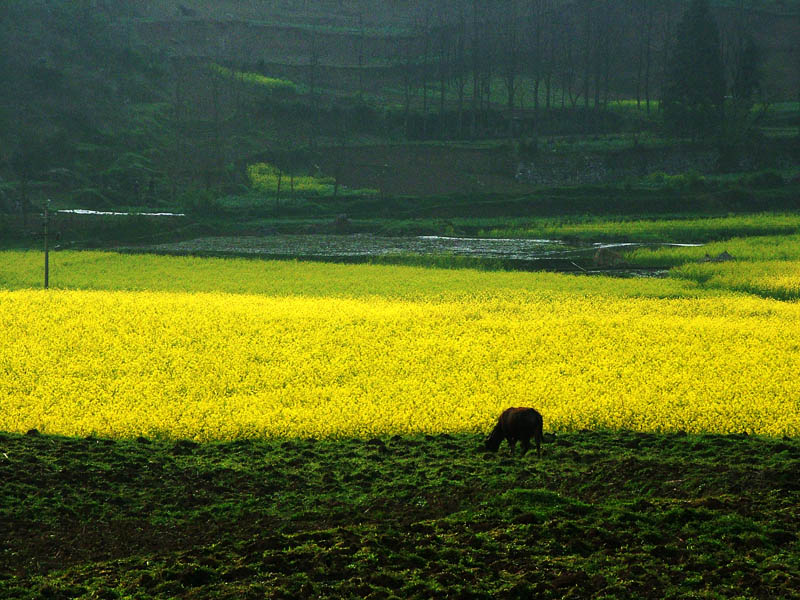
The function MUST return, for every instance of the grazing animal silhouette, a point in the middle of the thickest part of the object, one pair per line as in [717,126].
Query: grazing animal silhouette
[517,424]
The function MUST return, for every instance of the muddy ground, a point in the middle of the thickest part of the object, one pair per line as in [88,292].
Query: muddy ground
[600,515]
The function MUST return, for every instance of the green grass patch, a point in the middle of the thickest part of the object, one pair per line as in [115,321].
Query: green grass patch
[269,179]
[612,515]
[273,84]
[91,270]
[757,248]
[668,230]
[767,266]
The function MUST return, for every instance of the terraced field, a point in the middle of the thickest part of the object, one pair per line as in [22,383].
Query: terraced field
[600,515]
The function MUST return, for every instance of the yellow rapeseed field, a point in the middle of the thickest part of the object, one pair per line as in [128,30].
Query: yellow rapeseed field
[219,366]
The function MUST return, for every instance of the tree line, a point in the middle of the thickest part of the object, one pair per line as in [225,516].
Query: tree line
[536,55]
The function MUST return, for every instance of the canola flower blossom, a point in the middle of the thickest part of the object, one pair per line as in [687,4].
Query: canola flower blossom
[213,366]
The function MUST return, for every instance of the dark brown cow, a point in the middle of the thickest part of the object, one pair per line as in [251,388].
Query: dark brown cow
[517,424]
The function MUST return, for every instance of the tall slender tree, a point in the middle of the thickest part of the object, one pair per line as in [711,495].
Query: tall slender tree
[746,72]
[743,58]
[313,75]
[510,59]
[695,88]
[644,11]
[460,66]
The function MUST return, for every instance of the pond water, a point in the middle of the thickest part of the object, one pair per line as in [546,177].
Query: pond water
[343,246]
[519,253]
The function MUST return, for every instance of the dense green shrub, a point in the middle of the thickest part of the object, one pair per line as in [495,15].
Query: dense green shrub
[200,202]
[765,179]
[691,180]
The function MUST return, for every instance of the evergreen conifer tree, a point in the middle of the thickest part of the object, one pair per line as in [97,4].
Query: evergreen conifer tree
[695,87]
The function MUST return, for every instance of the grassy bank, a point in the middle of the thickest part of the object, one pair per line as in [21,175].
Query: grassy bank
[93,270]
[685,229]
[767,266]
[680,210]
[607,515]
[680,194]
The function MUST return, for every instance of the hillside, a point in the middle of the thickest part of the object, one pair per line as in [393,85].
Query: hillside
[371,34]
[121,103]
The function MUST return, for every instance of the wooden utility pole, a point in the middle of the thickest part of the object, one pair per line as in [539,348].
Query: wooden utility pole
[46,250]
